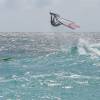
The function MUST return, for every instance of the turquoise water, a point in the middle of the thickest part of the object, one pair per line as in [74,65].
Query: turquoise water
[49,67]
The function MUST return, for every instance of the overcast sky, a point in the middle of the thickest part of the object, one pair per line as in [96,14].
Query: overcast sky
[33,15]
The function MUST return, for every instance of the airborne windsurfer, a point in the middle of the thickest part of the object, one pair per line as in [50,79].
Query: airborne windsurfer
[56,20]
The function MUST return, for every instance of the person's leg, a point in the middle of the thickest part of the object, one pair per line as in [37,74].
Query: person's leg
[52,19]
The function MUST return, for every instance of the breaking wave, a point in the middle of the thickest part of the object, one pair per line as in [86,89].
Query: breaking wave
[85,43]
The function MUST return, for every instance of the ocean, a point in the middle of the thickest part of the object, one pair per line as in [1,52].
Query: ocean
[49,66]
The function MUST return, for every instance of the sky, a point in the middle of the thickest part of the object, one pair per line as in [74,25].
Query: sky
[33,15]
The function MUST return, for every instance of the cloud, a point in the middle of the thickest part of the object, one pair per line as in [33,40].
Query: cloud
[25,4]
[42,3]
[15,5]
[89,3]
[2,3]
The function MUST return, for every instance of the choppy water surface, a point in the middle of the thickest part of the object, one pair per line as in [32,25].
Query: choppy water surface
[49,66]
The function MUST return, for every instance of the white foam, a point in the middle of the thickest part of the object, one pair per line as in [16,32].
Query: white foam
[94,51]
[84,47]
[1,96]
[95,45]
[67,87]
[82,82]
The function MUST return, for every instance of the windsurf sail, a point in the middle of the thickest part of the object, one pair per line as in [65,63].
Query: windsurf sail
[56,20]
